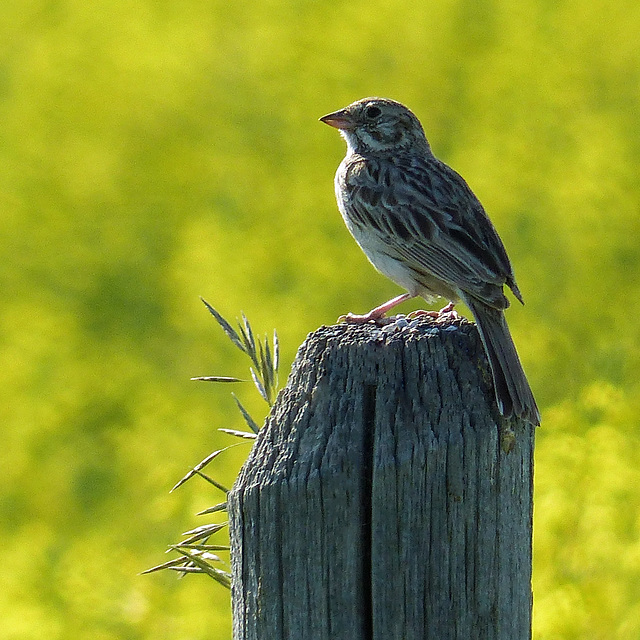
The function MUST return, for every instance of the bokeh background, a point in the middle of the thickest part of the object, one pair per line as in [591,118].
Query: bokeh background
[154,151]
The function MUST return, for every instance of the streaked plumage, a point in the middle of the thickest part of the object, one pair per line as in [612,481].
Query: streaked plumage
[420,224]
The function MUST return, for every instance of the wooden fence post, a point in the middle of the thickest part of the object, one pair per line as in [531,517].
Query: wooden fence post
[386,498]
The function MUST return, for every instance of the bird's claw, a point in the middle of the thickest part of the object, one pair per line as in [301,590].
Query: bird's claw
[447,313]
[423,312]
[353,318]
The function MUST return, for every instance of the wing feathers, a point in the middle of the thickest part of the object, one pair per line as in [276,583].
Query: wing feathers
[419,209]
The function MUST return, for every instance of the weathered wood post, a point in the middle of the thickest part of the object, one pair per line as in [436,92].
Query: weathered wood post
[386,498]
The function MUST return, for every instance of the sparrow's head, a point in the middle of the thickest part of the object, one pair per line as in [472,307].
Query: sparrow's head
[378,125]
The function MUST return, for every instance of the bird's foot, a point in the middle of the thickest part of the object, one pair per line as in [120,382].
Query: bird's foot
[377,314]
[449,313]
[353,318]
[446,314]
[419,313]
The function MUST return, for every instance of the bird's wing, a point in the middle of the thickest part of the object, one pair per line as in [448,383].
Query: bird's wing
[427,217]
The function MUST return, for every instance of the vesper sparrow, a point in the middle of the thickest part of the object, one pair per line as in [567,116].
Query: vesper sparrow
[420,224]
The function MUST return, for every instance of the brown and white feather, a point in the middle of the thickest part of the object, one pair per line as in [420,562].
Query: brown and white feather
[420,224]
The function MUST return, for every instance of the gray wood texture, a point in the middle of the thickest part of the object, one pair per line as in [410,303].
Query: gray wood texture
[385,498]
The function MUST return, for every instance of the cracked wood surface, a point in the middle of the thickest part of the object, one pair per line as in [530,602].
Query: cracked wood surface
[385,498]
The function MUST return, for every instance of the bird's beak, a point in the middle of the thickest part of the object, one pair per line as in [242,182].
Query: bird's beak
[338,119]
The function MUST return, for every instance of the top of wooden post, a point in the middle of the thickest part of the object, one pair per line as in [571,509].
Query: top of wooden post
[440,365]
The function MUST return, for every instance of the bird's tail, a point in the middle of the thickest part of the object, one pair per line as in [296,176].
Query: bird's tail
[513,393]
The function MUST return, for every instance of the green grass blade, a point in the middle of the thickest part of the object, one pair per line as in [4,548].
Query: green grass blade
[201,465]
[222,506]
[259,386]
[217,379]
[213,482]
[276,351]
[245,435]
[226,327]
[249,331]
[251,423]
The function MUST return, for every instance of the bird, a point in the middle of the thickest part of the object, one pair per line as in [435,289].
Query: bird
[420,224]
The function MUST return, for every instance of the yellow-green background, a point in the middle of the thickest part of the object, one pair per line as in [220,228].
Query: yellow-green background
[156,150]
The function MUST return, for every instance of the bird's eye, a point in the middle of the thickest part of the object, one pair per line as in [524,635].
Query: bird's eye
[373,112]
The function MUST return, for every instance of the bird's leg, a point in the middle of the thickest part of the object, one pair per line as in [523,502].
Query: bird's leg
[377,313]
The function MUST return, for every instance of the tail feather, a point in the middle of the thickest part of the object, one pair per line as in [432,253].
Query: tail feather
[513,393]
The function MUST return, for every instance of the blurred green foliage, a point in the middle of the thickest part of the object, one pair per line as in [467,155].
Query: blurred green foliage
[154,151]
